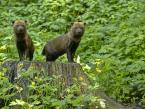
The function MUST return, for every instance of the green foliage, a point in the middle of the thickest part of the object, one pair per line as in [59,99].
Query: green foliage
[45,92]
[112,50]
[123,56]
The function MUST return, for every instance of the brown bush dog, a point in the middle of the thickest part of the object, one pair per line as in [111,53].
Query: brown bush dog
[24,42]
[67,43]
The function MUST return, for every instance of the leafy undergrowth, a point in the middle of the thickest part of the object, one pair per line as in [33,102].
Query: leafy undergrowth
[112,49]
[43,92]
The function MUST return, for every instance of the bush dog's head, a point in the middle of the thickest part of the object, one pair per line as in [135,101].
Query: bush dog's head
[19,26]
[78,29]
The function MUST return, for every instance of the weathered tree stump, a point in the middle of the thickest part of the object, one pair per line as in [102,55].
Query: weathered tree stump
[69,73]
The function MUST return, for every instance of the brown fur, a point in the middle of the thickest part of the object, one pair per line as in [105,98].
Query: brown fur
[67,43]
[24,42]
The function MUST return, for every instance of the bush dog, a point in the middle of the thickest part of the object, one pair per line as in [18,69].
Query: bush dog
[67,43]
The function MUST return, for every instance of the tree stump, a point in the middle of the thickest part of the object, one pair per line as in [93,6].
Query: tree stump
[69,73]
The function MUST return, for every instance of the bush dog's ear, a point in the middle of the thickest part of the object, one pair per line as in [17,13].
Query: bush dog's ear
[71,23]
[25,21]
[13,21]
